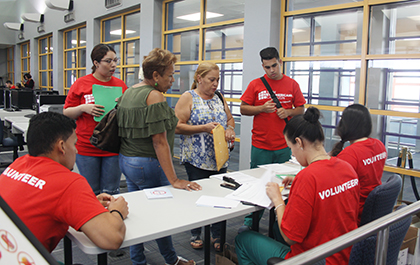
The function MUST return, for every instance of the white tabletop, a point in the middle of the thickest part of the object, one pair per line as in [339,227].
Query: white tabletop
[152,219]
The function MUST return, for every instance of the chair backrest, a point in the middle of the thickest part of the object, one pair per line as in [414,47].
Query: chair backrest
[381,200]
[363,252]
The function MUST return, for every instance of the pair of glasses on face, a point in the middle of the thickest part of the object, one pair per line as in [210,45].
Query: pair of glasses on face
[210,105]
[109,61]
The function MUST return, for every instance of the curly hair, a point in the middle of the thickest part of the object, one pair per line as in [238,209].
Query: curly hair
[157,60]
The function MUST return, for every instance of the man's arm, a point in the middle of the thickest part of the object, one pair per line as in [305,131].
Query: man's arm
[284,113]
[107,230]
[250,110]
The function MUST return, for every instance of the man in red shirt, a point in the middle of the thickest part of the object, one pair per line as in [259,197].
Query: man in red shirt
[268,143]
[41,189]
[10,85]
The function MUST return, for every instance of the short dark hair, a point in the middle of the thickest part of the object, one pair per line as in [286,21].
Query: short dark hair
[99,52]
[9,82]
[269,53]
[355,123]
[45,129]
[305,126]
[27,75]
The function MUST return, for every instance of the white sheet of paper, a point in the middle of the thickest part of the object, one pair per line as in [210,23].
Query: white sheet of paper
[281,168]
[254,192]
[239,177]
[216,202]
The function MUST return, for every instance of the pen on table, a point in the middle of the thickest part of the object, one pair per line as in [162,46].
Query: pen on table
[223,207]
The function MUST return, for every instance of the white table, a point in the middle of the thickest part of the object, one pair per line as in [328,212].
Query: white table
[153,219]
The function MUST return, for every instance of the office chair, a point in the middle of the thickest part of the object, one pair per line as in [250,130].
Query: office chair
[381,200]
[363,252]
[7,144]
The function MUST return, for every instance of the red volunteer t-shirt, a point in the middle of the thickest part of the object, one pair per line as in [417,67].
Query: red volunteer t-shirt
[267,129]
[323,204]
[48,198]
[81,93]
[368,160]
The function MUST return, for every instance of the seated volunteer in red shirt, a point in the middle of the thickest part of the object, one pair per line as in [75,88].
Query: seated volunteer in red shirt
[323,200]
[366,155]
[48,197]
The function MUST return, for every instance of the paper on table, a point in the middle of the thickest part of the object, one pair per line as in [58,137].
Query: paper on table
[158,193]
[282,168]
[105,96]
[216,202]
[254,192]
[239,177]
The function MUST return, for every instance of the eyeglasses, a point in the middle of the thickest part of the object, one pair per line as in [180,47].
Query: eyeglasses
[109,61]
[210,105]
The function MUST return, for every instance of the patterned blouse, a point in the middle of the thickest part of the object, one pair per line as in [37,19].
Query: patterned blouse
[198,149]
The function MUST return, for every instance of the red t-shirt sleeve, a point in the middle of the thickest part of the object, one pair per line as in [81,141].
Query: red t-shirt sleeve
[78,204]
[249,95]
[298,213]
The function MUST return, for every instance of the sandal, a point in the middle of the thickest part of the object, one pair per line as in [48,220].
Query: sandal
[196,242]
[181,261]
[216,244]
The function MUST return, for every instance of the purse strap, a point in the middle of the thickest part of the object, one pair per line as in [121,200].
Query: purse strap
[272,95]
[221,98]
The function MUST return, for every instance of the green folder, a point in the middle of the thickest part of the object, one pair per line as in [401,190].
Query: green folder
[106,96]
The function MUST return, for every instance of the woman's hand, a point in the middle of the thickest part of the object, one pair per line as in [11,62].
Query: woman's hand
[229,135]
[93,109]
[287,180]
[210,126]
[185,184]
[273,192]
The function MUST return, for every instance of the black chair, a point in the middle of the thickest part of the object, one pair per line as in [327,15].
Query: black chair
[7,144]
[381,200]
[363,252]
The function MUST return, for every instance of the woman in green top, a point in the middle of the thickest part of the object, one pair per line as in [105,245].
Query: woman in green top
[147,129]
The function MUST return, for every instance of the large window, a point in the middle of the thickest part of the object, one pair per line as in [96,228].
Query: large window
[45,63]
[197,31]
[363,52]
[122,33]
[74,55]
[25,59]
[11,64]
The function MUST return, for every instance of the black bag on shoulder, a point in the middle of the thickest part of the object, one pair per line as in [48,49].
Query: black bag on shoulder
[105,135]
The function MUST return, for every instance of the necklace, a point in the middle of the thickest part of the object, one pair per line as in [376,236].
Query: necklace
[315,158]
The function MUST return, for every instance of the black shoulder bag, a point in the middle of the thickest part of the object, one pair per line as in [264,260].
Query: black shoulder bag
[105,135]
[273,96]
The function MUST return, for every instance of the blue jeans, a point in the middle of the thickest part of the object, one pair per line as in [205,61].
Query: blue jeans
[144,173]
[102,173]
[195,173]
[255,248]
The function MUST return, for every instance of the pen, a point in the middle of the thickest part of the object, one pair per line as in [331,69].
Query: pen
[223,207]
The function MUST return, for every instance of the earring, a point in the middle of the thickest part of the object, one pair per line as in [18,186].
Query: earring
[156,84]
[301,148]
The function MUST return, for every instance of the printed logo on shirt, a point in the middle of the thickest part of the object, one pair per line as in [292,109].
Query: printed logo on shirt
[338,189]
[283,98]
[89,99]
[374,159]
[25,178]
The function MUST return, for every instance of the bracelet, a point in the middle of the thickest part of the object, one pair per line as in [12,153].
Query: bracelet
[275,209]
[118,213]
[231,127]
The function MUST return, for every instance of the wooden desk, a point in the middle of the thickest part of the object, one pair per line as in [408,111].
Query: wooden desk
[153,219]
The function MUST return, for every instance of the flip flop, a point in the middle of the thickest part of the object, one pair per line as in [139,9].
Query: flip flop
[216,244]
[196,242]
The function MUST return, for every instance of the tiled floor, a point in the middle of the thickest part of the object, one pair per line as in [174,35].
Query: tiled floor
[181,240]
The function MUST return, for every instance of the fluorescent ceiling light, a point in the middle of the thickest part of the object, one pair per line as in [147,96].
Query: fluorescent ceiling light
[74,42]
[118,32]
[196,16]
